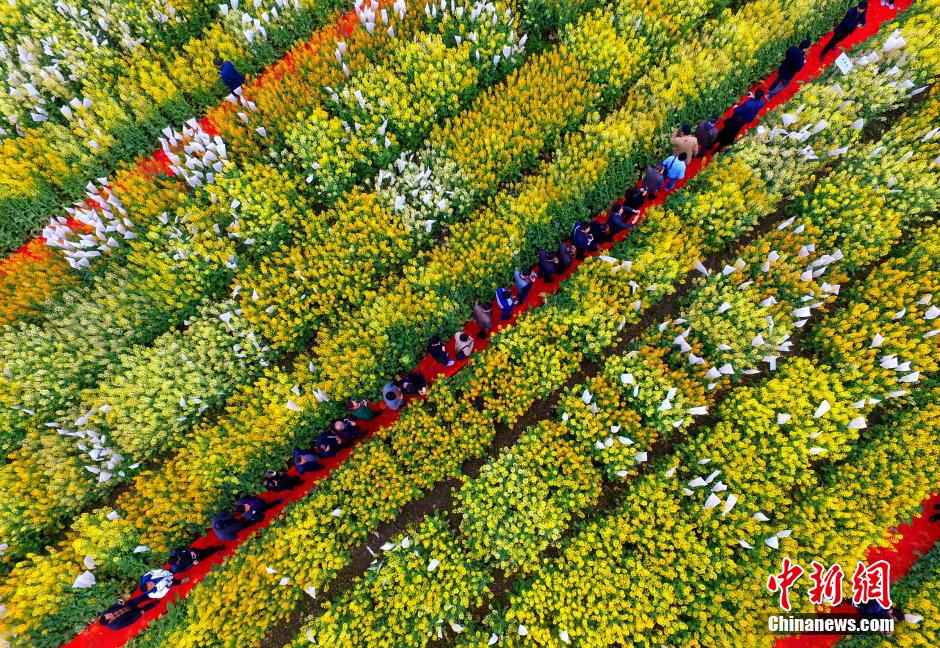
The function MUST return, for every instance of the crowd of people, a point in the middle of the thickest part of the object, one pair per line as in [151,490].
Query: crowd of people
[688,143]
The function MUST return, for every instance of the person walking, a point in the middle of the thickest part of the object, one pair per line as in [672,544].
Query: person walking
[226,526]
[505,302]
[617,219]
[413,384]
[185,558]
[124,613]
[674,165]
[633,202]
[653,180]
[305,461]
[853,19]
[360,410]
[566,254]
[463,345]
[279,482]
[393,396]
[438,351]
[548,264]
[523,282]
[793,62]
[583,239]
[683,141]
[706,133]
[231,77]
[251,509]
[483,316]
[744,113]
[157,583]
[601,232]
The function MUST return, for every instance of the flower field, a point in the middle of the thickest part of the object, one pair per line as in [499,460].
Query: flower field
[198,281]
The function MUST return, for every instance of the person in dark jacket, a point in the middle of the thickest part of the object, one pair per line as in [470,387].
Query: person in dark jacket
[347,430]
[327,444]
[413,384]
[226,526]
[483,316]
[124,613]
[251,509]
[706,133]
[793,62]
[438,351]
[231,77]
[583,239]
[506,303]
[601,232]
[872,609]
[854,18]
[183,558]
[653,179]
[617,219]
[280,481]
[305,461]
[743,114]
[633,202]
[548,265]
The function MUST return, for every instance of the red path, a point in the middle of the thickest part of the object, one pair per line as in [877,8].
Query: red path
[917,538]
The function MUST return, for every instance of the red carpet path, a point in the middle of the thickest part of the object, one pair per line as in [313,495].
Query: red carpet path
[917,538]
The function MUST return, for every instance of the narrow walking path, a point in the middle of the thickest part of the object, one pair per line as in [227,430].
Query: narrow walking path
[97,636]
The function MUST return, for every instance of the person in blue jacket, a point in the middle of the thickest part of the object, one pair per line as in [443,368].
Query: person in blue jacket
[744,113]
[523,282]
[506,303]
[305,461]
[251,509]
[231,77]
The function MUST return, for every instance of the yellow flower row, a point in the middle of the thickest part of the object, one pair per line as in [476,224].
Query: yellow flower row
[918,593]
[682,558]
[754,450]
